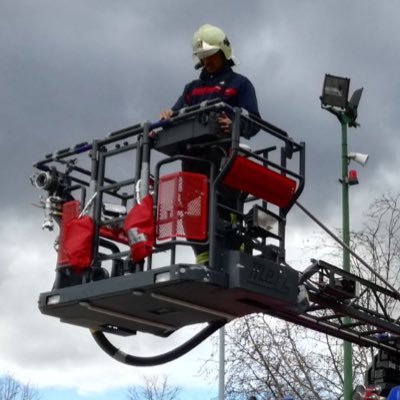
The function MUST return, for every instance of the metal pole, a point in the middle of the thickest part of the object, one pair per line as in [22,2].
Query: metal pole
[221,372]
[347,348]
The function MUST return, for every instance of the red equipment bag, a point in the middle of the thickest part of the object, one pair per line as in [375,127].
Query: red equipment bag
[262,182]
[78,242]
[373,393]
[139,226]
[76,238]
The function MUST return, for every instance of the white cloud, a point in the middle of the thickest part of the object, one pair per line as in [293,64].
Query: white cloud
[39,349]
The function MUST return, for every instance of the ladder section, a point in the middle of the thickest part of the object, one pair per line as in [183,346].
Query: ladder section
[334,294]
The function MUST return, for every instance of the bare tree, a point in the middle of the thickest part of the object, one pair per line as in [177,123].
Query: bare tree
[11,389]
[154,388]
[272,359]
[379,240]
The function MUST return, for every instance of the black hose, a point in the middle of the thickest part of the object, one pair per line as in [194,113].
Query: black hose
[171,355]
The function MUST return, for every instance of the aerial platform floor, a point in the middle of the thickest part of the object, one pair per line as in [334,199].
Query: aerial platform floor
[165,299]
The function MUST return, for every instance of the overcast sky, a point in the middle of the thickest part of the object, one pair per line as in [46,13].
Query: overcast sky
[76,70]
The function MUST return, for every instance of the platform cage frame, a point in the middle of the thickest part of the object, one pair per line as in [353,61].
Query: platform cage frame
[258,267]
[137,139]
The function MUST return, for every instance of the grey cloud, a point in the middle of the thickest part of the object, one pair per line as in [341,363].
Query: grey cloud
[76,70]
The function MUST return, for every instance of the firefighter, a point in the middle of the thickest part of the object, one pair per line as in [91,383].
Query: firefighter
[213,53]
[217,79]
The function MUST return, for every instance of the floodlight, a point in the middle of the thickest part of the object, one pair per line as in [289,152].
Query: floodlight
[359,158]
[52,300]
[162,277]
[355,100]
[260,220]
[335,91]
[352,107]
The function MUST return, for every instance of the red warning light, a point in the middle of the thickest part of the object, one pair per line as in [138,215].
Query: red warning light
[352,178]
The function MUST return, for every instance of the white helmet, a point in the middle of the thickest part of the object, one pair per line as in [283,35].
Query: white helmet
[208,40]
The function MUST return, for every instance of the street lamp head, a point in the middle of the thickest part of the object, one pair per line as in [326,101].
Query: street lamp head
[359,158]
[355,100]
[335,92]
[352,107]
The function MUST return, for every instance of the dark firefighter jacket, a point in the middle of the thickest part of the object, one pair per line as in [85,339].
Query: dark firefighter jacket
[231,87]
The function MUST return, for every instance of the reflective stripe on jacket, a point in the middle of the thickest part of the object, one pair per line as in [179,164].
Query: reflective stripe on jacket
[233,88]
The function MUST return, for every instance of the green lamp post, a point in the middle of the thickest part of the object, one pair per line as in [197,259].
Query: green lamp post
[335,100]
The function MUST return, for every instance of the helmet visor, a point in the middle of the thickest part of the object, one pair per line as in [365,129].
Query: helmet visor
[204,49]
